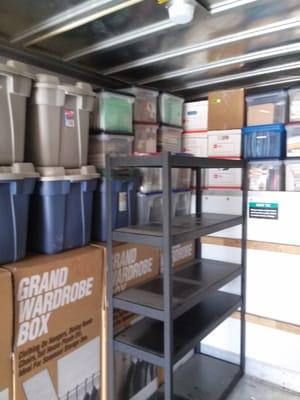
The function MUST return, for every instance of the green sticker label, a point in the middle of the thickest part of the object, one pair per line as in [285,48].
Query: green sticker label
[263,210]
[215,101]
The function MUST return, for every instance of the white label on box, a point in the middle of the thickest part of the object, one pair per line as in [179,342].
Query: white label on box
[122,202]
[69,118]
[295,110]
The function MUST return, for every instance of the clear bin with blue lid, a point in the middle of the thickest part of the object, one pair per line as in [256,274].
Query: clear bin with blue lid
[145,104]
[61,209]
[267,108]
[150,206]
[151,179]
[104,143]
[15,88]
[113,112]
[16,186]
[264,141]
[124,204]
[170,109]
[265,175]
[292,175]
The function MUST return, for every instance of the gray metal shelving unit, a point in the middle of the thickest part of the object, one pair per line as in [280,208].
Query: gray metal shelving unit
[181,306]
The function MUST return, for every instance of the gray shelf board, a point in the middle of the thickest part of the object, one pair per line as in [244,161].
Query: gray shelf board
[147,334]
[176,161]
[191,283]
[203,378]
[183,228]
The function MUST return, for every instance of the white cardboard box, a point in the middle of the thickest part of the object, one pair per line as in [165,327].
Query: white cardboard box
[195,115]
[195,143]
[227,143]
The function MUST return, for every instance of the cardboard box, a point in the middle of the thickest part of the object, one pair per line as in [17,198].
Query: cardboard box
[224,144]
[261,114]
[182,253]
[57,325]
[6,312]
[223,178]
[226,109]
[195,143]
[195,115]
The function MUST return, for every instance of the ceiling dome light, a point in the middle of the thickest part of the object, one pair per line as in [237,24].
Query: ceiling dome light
[181,11]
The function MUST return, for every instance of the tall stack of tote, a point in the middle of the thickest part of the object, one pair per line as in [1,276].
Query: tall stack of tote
[57,143]
[17,179]
[226,118]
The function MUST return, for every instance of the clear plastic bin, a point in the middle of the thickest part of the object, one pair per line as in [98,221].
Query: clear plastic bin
[267,108]
[293,140]
[294,104]
[113,112]
[169,139]
[103,144]
[264,141]
[151,179]
[292,175]
[171,109]
[145,138]
[15,87]
[265,175]
[150,206]
[145,105]
[59,123]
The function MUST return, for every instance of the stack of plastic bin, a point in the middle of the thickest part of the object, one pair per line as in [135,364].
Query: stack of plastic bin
[265,139]
[112,134]
[57,142]
[17,179]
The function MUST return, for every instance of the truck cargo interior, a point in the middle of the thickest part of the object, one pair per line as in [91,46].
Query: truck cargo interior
[149,199]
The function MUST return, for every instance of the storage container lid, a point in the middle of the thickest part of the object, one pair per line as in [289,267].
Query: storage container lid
[170,128]
[266,96]
[140,91]
[107,93]
[264,128]
[13,67]
[225,132]
[111,136]
[61,174]
[265,163]
[80,88]
[46,81]
[173,96]
[18,171]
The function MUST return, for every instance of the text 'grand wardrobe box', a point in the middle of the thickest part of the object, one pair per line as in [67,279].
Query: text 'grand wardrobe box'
[6,313]
[57,324]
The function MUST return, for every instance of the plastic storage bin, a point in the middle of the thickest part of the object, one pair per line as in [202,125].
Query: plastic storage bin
[145,104]
[16,185]
[145,138]
[265,175]
[15,87]
[293,140]
[150,206]
[294,104]
[170,109]
[103,144]
[113,112]
[267,108]
[61,209]
[195,143]
[195,116]
[151,179]
[124,205]
[169,138]
[59,123]
[292,175]
[264,141]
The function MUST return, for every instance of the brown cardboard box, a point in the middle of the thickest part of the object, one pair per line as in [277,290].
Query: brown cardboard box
[261,114]
[226,109]
[57,322]
[133,264]
[6,312]
[181,254]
